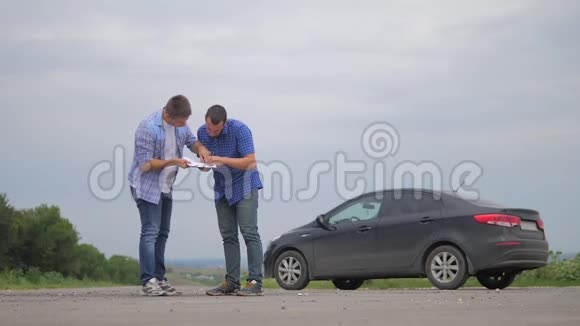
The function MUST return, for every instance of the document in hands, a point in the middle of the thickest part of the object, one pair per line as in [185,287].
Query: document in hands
[196,164]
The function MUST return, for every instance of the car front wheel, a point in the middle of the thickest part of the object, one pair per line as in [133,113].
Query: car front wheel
[348,284]
[497,280]
[446,268]
[291,271]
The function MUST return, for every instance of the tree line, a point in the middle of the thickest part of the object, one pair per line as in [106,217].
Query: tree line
[40,239]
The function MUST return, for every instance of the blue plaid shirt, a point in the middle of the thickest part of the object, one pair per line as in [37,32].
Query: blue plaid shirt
[234,141]
[150,144]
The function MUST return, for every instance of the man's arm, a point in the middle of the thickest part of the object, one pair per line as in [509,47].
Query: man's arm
[202,151]
[246,149]
[196,146]
[247,162]
[155,164]
[144,149]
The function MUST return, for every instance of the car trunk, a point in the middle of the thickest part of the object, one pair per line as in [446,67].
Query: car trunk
[530,227]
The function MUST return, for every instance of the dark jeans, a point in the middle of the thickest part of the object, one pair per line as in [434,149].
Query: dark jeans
[245,215]
[155,221]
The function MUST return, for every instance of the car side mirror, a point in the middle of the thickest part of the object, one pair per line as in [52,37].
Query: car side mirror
[321,221]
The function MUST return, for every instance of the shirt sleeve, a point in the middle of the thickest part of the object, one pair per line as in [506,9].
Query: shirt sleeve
[144,145]
[189,138]
[245,141]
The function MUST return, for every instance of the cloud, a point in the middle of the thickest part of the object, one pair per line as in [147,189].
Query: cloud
[495,80]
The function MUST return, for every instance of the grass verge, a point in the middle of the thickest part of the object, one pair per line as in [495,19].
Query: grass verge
[51,280]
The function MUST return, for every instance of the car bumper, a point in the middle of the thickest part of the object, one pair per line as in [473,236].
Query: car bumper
[268,264]
[511,255]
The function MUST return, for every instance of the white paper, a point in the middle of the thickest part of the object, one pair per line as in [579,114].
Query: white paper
[195,164]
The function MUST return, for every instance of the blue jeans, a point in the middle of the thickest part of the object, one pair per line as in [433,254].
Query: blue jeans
[155,222]
[245,215]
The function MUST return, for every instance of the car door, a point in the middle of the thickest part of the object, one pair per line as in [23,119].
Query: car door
[350,245]
[408,222]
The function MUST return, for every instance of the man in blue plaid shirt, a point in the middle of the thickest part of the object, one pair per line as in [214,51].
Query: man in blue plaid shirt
[159,142]
[236,197]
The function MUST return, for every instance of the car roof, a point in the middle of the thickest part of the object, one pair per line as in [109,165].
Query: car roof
[444,193]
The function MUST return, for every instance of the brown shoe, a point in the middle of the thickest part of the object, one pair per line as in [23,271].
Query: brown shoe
[251,289]
[226,288]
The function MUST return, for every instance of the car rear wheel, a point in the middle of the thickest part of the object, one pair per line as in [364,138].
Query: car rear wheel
[446,268]
[348,284]
[496,280]
[291,271]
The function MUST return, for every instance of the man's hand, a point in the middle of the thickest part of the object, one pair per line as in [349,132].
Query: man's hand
[204,154]
[201,151]
[182,163]
[217,160]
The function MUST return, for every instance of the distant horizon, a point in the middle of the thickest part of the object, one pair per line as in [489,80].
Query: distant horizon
[566,255]
[571,253]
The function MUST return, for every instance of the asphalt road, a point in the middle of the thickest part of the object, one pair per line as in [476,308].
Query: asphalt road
[125,306]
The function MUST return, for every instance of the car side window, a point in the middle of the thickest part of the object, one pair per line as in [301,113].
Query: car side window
[407,203]
[364,209]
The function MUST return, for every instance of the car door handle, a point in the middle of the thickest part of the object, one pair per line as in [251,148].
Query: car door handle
[426,220]
[364,229]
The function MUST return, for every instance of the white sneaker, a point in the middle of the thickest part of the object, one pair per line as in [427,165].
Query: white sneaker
[167,287]
[152,289]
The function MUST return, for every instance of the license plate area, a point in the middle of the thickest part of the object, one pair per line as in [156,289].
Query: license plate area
[529,226]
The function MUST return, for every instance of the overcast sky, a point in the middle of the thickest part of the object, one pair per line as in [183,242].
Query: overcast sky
[494,82]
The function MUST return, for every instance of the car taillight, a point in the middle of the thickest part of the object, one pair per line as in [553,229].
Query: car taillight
[540,224]
[498,219]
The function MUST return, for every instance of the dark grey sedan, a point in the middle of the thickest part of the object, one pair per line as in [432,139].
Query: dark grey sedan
[410,233]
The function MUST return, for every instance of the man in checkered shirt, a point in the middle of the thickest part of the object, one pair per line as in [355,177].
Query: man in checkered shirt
[159,142]
[236,197]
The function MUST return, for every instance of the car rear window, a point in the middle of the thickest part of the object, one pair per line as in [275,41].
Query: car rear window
[477,202]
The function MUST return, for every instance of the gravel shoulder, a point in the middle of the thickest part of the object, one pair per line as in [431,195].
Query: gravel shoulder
[124,305]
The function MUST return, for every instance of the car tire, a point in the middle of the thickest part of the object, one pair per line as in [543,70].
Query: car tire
[350,284]
[446,268]
[291,271]
[497,280]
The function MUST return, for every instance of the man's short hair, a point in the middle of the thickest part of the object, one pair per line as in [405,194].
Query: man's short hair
[178,107]
[216,113]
